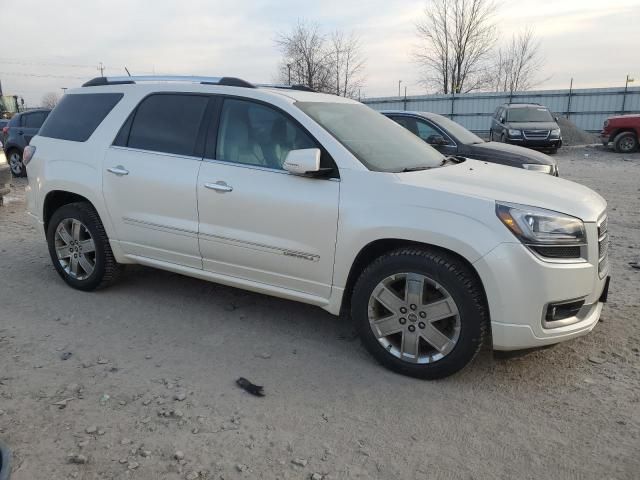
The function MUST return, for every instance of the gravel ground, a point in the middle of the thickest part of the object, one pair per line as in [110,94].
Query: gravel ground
[148,390]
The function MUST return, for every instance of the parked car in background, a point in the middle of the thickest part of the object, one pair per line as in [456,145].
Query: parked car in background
[19,132]
[5,175]
[623,131]
[319,199]
[527,124]
[451,138]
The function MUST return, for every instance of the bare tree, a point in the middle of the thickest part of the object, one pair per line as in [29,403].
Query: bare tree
[517,65]
[306,60]
[347,64]
[332,64]
[50,100]
[457,39]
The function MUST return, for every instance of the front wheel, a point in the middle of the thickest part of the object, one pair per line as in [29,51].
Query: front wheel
[15,163]
[79,247]
[625,142]
[420,313]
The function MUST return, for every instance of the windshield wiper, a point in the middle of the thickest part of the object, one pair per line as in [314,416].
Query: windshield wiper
[415,169]
[452,159]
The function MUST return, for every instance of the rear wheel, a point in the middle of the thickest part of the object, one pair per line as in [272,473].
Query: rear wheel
[625,142]
[420,313]
[79,247]
[15,163]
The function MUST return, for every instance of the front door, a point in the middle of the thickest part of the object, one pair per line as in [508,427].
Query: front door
[149,179]
[257,221]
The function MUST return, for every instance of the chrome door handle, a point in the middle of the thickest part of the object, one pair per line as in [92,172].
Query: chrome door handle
[119,170]
[219,187]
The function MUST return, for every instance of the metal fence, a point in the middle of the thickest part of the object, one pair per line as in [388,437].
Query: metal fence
[587,108]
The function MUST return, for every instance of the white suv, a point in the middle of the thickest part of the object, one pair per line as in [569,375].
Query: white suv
[319,199]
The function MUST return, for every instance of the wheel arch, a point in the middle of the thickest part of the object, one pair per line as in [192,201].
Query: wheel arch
[381,246]
[56,199]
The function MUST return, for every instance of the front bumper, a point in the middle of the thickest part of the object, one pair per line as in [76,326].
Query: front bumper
[605,138]
[519,286]
[528,142]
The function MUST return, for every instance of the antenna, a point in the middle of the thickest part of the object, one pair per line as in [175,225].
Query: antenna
[101,69]
[127,70]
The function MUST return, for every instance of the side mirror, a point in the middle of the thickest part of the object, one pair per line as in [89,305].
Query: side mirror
[303,162]
[555,118]
[436,140]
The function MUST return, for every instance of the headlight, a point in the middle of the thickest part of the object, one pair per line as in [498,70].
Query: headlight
[555,132]
[537,167]
[537,226]
[514,133]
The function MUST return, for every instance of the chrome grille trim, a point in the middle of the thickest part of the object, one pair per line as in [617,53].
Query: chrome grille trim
[603,245]
[536,134]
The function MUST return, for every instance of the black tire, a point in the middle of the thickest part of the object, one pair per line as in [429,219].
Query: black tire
[17,167]
[625,142]
[503,139]
[553,151]
[490,135]
[451,273]
[106,269]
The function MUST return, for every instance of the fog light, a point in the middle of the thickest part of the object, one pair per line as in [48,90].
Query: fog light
[560,311]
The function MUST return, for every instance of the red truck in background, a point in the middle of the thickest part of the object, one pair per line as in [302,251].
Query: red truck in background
[623,131]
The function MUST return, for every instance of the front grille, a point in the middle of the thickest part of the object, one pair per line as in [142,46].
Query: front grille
[603,246]
[536,134]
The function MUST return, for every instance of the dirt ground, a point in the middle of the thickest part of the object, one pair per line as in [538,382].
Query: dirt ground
[149,389]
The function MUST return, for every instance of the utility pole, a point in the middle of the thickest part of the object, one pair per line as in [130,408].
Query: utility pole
[64,90]
[289,68]
[101,69]
[399,82]
[569,100]
[405,98]
[626,87]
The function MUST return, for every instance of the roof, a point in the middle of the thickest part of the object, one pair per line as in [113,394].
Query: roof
[203,84]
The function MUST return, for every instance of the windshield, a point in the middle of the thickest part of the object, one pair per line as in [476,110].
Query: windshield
[529,114]
[379,143]
[455,129]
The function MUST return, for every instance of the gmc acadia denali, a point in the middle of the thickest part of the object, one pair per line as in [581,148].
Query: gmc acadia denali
[319,199]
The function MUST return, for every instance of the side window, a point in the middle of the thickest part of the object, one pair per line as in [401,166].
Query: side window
[254,134]
[167,123]
[408,123]
[425,131]
[34,120]
[77,116]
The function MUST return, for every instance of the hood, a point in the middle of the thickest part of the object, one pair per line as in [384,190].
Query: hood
[493,182]
[623,117]
[507,150]
[532,125]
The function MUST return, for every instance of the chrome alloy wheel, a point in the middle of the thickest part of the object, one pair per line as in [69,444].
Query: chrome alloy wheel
[75,248]
[414,318]
[15,163]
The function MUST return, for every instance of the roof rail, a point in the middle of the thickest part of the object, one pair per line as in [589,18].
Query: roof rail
[522,103]
[302,88]
[226,81]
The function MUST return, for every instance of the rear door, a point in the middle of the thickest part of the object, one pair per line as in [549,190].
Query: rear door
[257,221]
[149,178]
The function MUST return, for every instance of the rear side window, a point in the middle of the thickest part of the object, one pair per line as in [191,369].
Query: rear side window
[166,123]
[77,116]
[34,120]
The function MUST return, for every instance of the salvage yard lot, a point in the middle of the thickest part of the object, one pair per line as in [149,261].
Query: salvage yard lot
[154,360]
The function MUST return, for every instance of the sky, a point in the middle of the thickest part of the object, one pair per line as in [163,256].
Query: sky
[59,44]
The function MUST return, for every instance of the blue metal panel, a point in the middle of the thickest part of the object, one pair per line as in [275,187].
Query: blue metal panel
[589,107]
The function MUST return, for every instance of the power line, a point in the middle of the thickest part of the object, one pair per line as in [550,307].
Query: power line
[44,64]
[36,75]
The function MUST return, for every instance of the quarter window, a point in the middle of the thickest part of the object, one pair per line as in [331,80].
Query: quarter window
[77,116]
[34,120]
[425,131]
[254,134]
[167,123]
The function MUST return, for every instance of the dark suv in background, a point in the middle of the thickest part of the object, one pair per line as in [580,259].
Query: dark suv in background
[17,135]
[527,124]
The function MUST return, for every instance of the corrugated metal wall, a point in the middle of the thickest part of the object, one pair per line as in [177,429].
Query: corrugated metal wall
[587,108]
